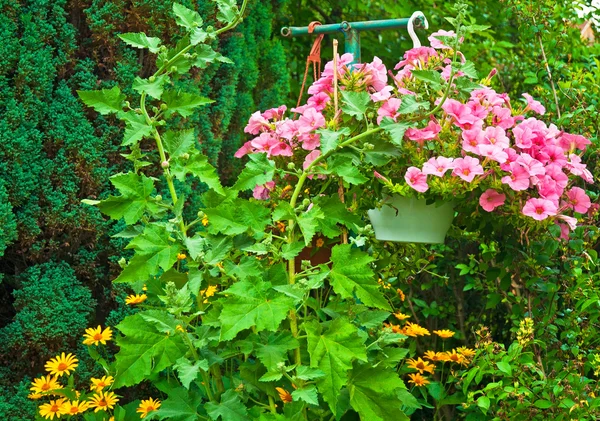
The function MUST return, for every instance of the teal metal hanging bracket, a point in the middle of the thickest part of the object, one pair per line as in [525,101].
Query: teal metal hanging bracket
[352,30]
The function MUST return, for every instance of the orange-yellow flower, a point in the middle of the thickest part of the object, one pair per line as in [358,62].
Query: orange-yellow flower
[433,356]
[135,299]
[284,395]
[401,295]
[420,365]
[413,329]
[147,406]
[35,396]
[320,242]
[205,221]
[454,357]
[395,328]
[49,410]
[62,364]
[466,352]
[444,334]
[99,384]
[418,380]
[94,336]
[74,407]
[401,316]
[102,401]
[181,256]
[45,384]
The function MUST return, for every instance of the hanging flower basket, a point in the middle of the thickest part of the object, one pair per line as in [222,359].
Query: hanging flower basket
[411,220]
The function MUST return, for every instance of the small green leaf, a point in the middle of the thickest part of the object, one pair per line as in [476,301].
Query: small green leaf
[355,103]
[185,17]
[228,10]
[484,403]
[177,143]
[306,373]
[188,372]
[231,408]
[183,102]
[205,55]
[154,89]
[181,405]
[141,40]
[431,76]
[198,166]
[307,394]
[105,101]
[410,105]
[395,130]
[543,404]
[289,251]
[330,139]
[343,166]
[504,367]
[136,128]
[272,348]
[134,200]
[259,170]
[468,68]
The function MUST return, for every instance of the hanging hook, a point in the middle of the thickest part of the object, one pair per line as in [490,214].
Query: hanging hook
[411,29]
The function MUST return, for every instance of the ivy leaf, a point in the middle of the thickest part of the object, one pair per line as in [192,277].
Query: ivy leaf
[154,89]
[197,165]
[330,139]
[307,394]
[205,55]
[351,274]
[228,10]
[185,17]
[259,170]
[141,40]
[355,103]
[236,217]
[154,251]
[183,102]
[257,304]
[230,409]
[135,197]
[342,166]
[410,105]
[395,130]
[272,349]
[181,405]
[373,393]
[188,372]
[332,349]
[136,127]
[104,101]
[179,142]
[144,350]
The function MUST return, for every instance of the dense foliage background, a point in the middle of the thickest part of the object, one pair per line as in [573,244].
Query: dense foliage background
[56,262]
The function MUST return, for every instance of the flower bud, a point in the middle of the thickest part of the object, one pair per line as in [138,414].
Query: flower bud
[158,198]
[201,214]
[173,69]
[369,146]
[185,156]
[291,166]
[154,110]
[209,29]
[164,164]
[127,104]
[163,106]
[306,202]
[152,79]
[122,262]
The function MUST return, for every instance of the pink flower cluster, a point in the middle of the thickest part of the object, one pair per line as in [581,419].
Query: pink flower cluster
[525,154]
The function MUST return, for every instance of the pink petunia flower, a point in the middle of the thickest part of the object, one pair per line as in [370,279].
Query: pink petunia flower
[570,142]
[244,150]
[539,209]
[441,45]
[467,168]
[287,129]
[438,166]
[571,222]
[532,165]
[383,94]
[310,141]
[256,124]
[491,199]
[310,120]
[502,117]
[578,200]
[472,138]
[534,105]
[518,180]
[388,109]
[281,149]
[264,142]
[275,113]
[318,101]
[493,152]
[417,57]
[310,158]
[416,179]
[427,133]
[577,168]
[460,113]
[496,136]
[263,192]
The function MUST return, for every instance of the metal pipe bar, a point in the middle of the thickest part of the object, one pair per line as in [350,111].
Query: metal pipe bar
[373,25]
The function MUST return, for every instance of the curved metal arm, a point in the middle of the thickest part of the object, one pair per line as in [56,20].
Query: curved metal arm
[422,22]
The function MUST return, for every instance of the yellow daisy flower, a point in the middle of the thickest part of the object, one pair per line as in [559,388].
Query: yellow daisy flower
[99,384]
[413,329]
[444,334]
[94,336]
[466,352]
[454,357]
[284,395]
[135,299]
[401,316]
[49,410]
[433,356]
[62,364]
[34,396]
[208,292]
[420,365]
[102,401]
[45,384]
[401,295]
[147,406]
[74,407]
[418,380]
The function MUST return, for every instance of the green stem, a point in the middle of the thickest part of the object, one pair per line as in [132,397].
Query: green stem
[272,405]
[204,374]
[216,372]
